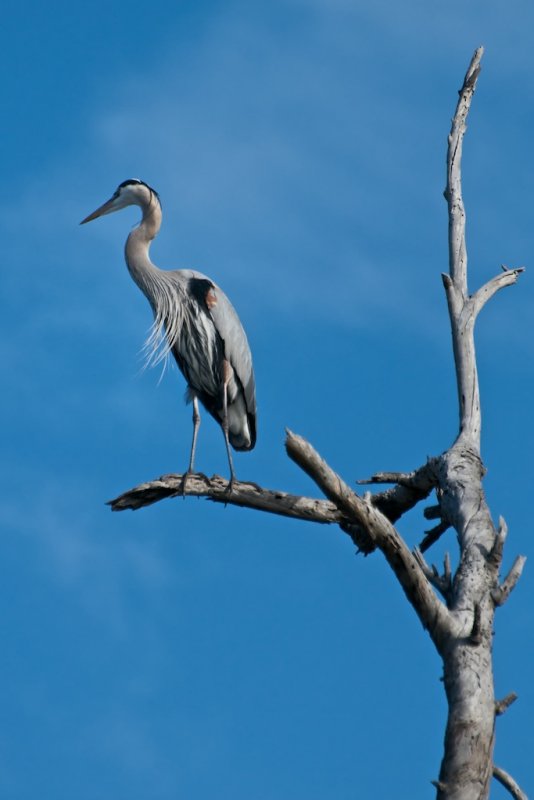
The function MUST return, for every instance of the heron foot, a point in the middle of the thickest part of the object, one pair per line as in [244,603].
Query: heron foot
[183,483]
[230,485]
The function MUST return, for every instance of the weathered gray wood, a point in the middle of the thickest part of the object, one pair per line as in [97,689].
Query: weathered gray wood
[246,495]
[503,705]
[443,583]
[500,594]
[393,502]
[467,764]
[431,611]
[508,782]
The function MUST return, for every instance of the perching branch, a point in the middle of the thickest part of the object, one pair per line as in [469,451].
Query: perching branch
[246,495]
[393,503]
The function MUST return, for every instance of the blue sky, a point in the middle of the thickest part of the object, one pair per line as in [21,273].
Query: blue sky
[189,651]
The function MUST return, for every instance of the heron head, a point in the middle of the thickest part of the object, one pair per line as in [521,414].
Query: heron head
[128,193]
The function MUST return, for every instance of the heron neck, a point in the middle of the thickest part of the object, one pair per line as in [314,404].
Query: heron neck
[137,248]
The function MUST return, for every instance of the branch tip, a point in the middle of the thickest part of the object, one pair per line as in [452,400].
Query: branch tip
[517,270]
[503,705]
[503,528]
[441,582]
[509,783]
[500,594]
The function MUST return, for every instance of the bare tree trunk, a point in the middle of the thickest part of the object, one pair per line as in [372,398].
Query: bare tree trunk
[461,623]
[467,765]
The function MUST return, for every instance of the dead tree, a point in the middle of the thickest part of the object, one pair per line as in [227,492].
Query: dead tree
[456,608]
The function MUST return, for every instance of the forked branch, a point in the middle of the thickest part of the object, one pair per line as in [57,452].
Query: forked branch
[443,583]
[462,322]
[463,309]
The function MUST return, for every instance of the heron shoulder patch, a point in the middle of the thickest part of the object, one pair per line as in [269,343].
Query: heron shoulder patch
[211,298]
[204,292]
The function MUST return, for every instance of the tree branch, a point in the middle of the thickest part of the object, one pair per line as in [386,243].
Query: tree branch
[443,582]
[506,278]
[508,782]
[432,536]
[393,503]
[503,705]
[432,512]
[462,324]
[402,478]
[501,593]
[431,611]
[463,309]
[410,489]
[245,495]
[495,557]
[453,191]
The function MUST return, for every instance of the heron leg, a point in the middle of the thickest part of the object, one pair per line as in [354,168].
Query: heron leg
[196,426]
[227,374]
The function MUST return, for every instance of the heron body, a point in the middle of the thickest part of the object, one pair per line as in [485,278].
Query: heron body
[195,321]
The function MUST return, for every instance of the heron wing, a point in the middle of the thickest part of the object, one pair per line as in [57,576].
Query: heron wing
[229,328]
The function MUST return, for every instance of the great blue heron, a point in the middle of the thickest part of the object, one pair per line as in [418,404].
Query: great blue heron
[195,321]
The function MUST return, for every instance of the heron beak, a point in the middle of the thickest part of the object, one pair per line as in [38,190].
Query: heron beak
[107,208]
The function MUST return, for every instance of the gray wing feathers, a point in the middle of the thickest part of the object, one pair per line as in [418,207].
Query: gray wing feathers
[236,347]
[201,329]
